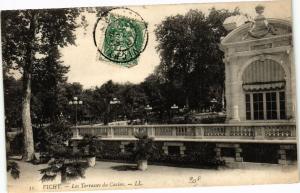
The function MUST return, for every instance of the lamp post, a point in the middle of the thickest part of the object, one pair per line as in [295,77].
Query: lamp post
[213,103]
[148,108]
[174,108]
[114,101]
[76,102]
[61,116]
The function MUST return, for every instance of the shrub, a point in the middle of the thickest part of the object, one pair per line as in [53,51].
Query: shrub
[67,164]
[54,144]
[144,147]
[88,146]
[13,168]
[50,139]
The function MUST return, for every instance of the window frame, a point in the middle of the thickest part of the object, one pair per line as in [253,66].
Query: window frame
[280,107]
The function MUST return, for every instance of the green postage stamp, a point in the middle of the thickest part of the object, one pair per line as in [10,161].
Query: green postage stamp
[149,96]
[120,36]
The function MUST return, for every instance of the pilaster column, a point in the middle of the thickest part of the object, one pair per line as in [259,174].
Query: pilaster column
[290,54]
[235,85]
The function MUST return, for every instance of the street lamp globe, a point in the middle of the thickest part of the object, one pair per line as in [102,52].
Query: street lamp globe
[174,107]
[76,102]
[148,107]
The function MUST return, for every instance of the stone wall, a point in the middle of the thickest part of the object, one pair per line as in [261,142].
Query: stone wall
[201,154]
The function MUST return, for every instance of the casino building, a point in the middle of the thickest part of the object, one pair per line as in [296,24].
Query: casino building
[259,70]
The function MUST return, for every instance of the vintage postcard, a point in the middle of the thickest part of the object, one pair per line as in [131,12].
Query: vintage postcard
[153,96]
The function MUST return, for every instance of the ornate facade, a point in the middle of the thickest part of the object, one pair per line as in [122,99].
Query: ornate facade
[259,71]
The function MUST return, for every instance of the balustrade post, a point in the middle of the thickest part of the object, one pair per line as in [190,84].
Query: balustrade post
[259,132]
[150,131]
[199,132]
[130,131]
[153,131]
[227,130]
[110,132]
[293,130]
[174,131]
[75,132]
[263,132]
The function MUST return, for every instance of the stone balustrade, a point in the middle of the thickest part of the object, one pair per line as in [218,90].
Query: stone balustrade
[242,132]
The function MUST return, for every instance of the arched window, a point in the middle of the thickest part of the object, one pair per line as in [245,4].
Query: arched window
[264,87]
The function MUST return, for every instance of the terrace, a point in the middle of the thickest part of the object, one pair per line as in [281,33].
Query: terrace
[281,132]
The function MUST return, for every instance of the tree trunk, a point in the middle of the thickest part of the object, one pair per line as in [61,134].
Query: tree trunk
[63,174]
[26,118]
[27,76]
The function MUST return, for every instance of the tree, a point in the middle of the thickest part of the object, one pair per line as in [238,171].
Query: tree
[190,58]
[12,101]
[155,90]
[45,86]
[108,91]
[28,38]
[134,100]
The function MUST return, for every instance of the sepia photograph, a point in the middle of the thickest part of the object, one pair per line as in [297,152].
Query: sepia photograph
[149,96]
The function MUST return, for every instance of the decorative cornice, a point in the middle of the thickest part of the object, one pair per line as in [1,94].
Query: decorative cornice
[269,51]
[243,30]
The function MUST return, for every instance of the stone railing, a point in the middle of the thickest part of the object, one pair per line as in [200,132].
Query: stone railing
[254,132]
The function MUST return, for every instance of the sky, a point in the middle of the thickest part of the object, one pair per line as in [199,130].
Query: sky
[87,69]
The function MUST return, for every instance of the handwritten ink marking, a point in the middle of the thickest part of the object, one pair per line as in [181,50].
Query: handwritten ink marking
[194,180]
